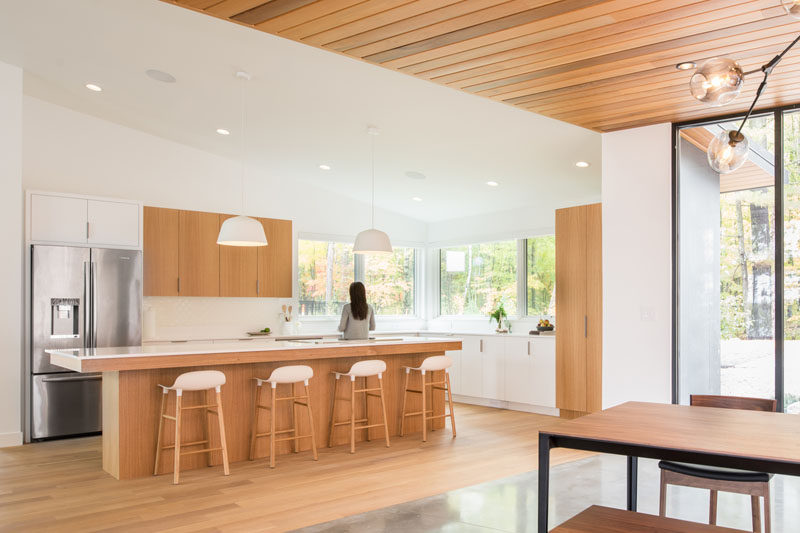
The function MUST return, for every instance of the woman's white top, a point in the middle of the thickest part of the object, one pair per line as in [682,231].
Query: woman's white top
[353,329]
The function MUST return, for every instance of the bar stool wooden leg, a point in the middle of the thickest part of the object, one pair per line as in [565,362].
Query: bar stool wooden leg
[333,412]
[383,411]
[272,414]
[366,409]
[222,441]
[176,469]
[311,423]
[163,411]
[424,409]
[403,410]
[293,419]
[450,402]
[352,415]
[254,420]
[755,503]
[712,508]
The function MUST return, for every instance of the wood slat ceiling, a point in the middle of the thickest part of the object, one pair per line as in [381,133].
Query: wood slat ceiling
[601,64]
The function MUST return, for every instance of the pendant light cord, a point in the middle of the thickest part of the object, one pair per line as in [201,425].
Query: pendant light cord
[373,180]
[244,80]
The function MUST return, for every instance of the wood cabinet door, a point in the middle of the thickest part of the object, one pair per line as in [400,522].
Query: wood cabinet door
[199,254]
[238,268]
[517,370]
[571,322]
[160,251]
[594,308]
[275,259]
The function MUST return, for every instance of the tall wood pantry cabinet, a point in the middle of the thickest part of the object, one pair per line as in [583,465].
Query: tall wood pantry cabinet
[579,310]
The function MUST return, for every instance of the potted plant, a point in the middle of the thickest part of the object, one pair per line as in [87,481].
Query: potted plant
[499,315]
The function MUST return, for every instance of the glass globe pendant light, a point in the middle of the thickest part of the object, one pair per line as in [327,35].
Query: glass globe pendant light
[372,241]
[728,151]
[792,8]
[242,230]
[717,81]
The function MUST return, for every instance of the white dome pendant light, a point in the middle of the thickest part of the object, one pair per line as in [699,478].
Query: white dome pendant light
[242,230]
[372,241]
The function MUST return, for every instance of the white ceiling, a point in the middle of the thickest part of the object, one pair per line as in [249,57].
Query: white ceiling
[305,107]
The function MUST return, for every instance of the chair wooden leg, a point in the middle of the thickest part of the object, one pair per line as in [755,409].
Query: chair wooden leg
[352,415]
[403,410]
[293,419]
[383,411]
[366,409]
[767,514]
[176,469]
[254,421]
[333,413]
[450,402]
[311,424]
[424,409]
[712,508]
[662,498]
[162,412]
[222,440]
[755,504]
[272,415]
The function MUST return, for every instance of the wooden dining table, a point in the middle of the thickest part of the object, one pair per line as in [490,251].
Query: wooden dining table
[733,438]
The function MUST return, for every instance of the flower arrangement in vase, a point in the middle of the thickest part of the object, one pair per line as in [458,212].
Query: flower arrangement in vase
[499,315]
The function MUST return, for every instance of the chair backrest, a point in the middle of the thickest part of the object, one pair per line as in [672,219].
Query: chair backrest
[436,362]
[369,367]
[733,402]
[291,374]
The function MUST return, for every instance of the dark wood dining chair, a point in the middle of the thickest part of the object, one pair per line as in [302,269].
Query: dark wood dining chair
[715,479]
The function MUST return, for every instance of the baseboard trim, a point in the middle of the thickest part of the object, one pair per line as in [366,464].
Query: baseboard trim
[10,439]
[500,404]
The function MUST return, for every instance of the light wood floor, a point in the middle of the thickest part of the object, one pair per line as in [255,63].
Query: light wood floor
[61,486]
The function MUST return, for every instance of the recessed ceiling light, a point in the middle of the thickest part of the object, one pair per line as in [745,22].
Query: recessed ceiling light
[492,183]
[581,164]
[223,131]
[93,87]
[686,65]
[325,167]
[416,198]
[414,175]
[160,75]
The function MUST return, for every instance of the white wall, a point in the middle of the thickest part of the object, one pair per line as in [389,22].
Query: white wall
[637,265]
[68,151]
[11,200]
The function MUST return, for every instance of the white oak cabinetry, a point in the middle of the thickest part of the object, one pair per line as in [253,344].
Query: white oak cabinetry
[54,218]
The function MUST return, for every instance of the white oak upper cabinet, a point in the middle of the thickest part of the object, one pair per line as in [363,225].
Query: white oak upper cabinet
[517,367]
[70,219]
[57,219]
[113,223]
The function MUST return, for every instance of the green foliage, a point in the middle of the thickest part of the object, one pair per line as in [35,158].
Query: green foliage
[498,315]
[489,276]
[390,281]
[541,258]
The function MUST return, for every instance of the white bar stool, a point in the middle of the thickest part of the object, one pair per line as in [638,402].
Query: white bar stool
[201,380]
[291,374]
[430,364]
[361,369]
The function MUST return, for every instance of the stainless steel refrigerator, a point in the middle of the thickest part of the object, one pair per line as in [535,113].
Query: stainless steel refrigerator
[80,298]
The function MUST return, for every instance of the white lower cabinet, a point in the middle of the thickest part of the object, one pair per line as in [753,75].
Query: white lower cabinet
[455,371]
[470,371]
[543,372]
[517,366]
[492,368]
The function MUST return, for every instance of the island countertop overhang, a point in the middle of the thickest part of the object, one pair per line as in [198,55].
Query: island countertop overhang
[180,356]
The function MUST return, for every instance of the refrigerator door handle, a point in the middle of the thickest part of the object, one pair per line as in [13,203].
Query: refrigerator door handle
[94,377]
[93,276]
[86,312]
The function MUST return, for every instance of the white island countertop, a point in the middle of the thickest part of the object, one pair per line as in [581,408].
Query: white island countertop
[173,355]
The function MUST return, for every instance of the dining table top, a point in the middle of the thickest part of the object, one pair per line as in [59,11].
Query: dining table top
[764,436]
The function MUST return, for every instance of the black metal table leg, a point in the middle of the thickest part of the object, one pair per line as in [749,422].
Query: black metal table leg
[544,480]
[633,471]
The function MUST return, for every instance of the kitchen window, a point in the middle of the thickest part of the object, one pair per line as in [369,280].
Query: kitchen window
[540,263]
[325,270]
[475,278]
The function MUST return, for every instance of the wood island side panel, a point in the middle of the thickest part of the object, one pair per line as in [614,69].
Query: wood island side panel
[132,400]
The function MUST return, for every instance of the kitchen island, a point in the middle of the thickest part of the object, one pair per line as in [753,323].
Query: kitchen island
[131,398]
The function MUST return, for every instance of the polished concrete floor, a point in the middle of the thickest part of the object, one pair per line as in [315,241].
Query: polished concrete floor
[510,504]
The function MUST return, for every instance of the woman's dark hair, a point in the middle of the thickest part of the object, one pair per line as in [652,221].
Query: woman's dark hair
[358,300]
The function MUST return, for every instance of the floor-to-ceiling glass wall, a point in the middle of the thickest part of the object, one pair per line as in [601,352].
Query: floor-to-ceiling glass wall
[726,265]
[791,261]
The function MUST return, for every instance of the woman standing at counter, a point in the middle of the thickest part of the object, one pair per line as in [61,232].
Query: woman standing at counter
[358,317]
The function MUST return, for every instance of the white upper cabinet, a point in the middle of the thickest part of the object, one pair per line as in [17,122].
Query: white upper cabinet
[57,219]
[69,219]
[113,223]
